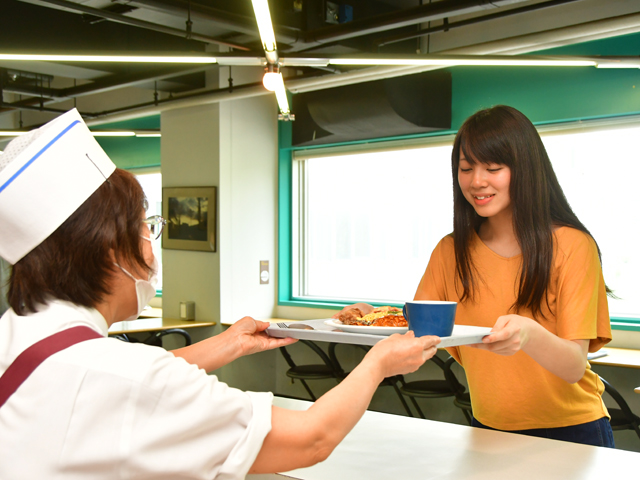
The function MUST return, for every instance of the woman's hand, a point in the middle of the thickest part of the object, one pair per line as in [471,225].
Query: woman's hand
[509,335]
[402,354]
[249,336]
[365,308]
[244,337]
[564,358]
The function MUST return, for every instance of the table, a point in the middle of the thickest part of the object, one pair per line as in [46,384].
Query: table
[155,325]
[619,357]
[384,446]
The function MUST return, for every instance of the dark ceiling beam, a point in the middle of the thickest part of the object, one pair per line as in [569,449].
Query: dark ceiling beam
[471,21]
[115,17]
[398,19]
[113,82]
[239,23]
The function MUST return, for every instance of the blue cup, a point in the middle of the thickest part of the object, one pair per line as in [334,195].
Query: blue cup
[430,317]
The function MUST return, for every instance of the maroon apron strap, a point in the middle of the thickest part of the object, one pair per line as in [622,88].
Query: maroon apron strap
[37,353]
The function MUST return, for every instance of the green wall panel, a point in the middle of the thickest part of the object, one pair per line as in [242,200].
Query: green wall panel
[132,152]
[551,94]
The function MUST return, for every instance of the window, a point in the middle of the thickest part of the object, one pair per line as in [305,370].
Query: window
[152,186]
[365,223]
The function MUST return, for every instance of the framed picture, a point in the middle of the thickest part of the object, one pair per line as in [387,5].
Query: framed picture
[191,218]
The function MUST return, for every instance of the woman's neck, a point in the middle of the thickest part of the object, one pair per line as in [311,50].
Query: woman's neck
[498,234]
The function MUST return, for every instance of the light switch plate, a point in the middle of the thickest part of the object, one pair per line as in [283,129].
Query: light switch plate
[264,272]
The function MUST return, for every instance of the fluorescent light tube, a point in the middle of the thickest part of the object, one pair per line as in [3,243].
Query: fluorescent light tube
[462,61]
[265,27]
[98,133]
[11,133]
[610,64]
[109,58]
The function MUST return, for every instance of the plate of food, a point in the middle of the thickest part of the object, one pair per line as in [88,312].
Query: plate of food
[381,321]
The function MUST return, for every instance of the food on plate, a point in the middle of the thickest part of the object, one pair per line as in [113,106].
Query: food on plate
[379,317]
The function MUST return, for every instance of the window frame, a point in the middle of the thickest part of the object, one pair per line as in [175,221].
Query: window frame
[290,170]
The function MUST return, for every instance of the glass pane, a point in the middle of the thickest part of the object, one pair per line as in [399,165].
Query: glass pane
[373,220]
[595,170]
[152,185]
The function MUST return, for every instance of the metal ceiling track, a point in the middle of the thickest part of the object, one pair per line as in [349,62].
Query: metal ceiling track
[116,17]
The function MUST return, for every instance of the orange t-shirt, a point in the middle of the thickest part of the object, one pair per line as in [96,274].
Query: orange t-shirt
[515,392]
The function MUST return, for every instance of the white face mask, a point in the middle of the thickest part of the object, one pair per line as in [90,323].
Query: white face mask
[145,289]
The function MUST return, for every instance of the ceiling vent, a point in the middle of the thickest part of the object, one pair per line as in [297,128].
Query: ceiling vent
[391,107]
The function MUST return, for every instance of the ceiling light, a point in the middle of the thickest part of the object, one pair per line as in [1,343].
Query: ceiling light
[110,58]
[96,133]
[265,27]
[619,64]
[273,81]
[10,133]
[113,134]
[263,17]
[459,61]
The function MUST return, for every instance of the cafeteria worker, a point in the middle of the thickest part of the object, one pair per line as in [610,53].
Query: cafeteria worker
[75,404]
[520,261]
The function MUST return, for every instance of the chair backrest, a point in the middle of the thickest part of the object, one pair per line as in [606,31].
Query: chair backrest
[624,406]
[445,365]
[321,353]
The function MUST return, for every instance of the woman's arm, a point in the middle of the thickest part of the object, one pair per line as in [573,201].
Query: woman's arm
[303,438]
[565,358]
[244,337]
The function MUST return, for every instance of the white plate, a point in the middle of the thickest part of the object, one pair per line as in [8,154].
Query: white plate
[363,329]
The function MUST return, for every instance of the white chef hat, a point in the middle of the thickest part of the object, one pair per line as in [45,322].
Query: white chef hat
[45,176]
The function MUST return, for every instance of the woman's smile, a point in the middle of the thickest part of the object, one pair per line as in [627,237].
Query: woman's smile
[485,186]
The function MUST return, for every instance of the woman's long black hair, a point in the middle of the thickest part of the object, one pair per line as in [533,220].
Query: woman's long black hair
[503,135]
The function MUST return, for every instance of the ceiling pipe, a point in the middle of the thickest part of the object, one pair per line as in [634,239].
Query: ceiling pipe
[245,24]
[521,44]
[471,21]
[115,17]
[532,42]
[398,19]
[110,83]
[292,40]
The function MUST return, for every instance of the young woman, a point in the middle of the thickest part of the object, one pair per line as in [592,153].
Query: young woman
[520,261]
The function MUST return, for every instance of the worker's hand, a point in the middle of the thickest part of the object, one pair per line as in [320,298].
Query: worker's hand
[401,354]
[509,335]
[250,337]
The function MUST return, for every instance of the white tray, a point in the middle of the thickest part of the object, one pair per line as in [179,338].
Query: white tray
[462,334]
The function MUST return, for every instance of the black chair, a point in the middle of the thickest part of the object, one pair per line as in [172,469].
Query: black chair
[387,382]
[155,338]
[621,418]
[448,386]
[463,402]
[316,371]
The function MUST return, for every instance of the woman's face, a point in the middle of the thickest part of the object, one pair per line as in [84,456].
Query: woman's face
[486,187]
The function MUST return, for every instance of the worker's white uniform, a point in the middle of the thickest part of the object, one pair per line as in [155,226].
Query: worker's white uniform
[107,409]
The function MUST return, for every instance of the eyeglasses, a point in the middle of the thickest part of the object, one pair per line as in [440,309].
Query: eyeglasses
[156,225]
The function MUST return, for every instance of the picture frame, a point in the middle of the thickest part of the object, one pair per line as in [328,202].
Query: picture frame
[191,218]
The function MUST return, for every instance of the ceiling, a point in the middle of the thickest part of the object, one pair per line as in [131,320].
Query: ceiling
[34,92]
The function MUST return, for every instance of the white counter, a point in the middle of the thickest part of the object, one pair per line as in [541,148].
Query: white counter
[392,447]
